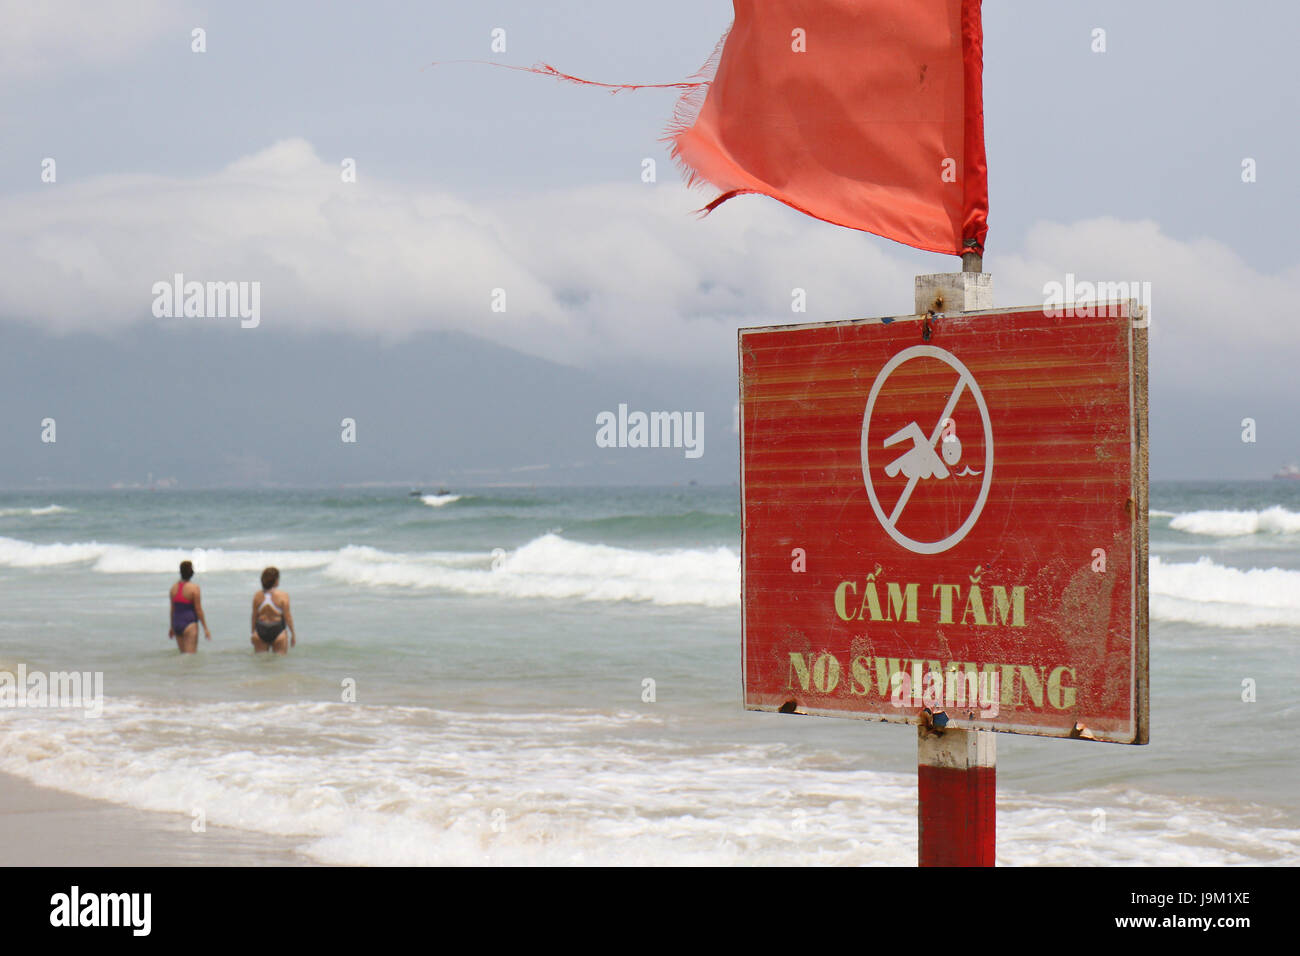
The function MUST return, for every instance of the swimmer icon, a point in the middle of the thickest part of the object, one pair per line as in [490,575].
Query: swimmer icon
[919,461]
[922,462]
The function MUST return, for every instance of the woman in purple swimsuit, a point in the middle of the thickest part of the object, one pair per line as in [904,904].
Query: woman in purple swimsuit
[187,612]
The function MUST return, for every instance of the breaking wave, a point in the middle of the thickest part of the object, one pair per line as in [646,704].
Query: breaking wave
[1228,524]
[546,567]
[1206,592]
[33,512]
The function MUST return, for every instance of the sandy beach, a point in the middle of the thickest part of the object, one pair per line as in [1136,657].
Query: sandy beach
[42,827]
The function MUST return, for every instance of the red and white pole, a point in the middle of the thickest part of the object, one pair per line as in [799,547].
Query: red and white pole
[956,769]
[957,784]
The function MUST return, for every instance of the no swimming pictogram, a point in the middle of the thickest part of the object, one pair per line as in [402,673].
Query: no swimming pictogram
[921,462]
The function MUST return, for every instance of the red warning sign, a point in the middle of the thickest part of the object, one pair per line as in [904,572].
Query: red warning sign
[949,515]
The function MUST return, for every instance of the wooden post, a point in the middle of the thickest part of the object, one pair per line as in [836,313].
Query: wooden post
[956,769]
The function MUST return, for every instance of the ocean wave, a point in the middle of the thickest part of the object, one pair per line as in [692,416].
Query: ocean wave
[554,567]
[34,512]
[381,785]
[1206,592]
[546,567]
[1229,524]
[439,501]
[130,559]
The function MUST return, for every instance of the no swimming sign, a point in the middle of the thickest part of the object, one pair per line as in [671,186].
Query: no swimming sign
[949,513]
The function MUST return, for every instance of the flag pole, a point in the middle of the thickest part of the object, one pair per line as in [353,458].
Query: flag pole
[956,769]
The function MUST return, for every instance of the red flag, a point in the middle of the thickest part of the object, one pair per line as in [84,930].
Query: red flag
[864,113]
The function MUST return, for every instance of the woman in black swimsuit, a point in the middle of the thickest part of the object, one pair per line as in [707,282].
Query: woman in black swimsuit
[272,616]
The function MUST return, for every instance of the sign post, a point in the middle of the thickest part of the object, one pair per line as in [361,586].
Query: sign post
[944,524]
[956,770]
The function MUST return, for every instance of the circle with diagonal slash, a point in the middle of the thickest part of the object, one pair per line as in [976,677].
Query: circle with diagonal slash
[964,380]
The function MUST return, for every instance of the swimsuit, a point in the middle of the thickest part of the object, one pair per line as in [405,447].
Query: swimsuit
[183,613]
[268,631]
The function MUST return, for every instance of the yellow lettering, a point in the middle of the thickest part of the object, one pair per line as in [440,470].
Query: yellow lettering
[945,592]
[870,603]
[1003,605]
[975,607]
[1008,686]
[861,676]
[841,591]
[896,602]
[799,668]
[1062,698]
[885,671]
[932,696]
[961,686]
[1033,681]
[826,672]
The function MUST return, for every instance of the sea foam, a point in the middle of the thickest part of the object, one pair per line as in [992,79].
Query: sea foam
[1227,524]
[33,512]
[439,501]
[414,785]
[554,567]
[1205,592]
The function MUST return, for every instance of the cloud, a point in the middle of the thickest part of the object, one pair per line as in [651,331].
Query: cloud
[599,273]
[41,37]
[1210,310]
[588,273]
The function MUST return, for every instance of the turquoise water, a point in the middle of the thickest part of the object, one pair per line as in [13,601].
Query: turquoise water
[499,642]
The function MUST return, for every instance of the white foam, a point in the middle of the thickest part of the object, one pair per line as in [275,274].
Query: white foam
[128,559]
[547,567]
[437,501]
[33,512]
[1228,524]
[1206,592]
[1155,513]
[553,567]
[362,784]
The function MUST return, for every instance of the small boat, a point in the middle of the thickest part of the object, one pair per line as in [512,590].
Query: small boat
[1290,472]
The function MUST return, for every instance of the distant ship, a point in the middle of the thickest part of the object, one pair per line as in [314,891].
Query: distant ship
[1290,473]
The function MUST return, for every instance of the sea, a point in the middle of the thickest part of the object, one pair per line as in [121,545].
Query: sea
[552,676]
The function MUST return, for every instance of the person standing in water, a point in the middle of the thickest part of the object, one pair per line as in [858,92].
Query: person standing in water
[187,612]
[271,617]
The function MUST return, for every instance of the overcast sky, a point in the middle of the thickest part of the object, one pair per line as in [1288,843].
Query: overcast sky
[225,164]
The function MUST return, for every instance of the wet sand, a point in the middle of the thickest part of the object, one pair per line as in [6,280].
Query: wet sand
[42,827]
